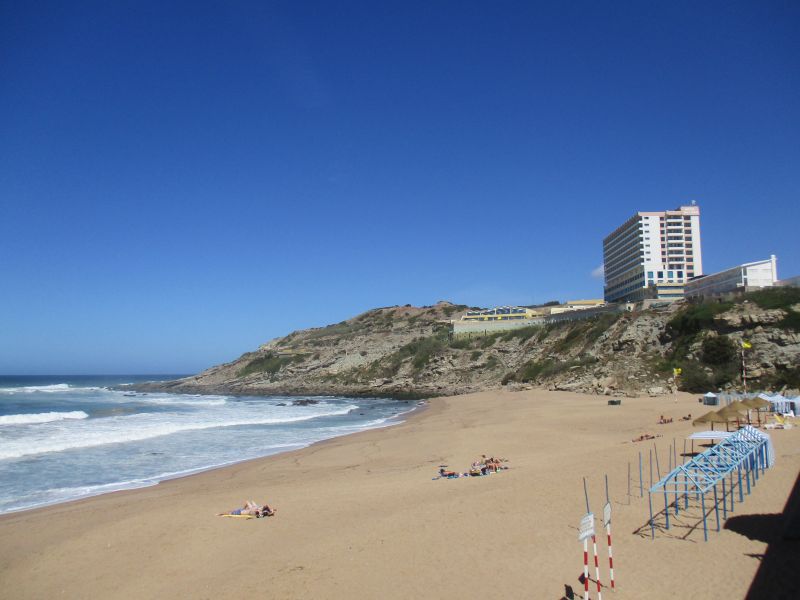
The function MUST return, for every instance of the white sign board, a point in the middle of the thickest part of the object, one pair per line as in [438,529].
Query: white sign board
[586,529]
[607,514]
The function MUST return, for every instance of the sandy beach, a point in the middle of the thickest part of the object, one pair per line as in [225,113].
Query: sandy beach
[362,516]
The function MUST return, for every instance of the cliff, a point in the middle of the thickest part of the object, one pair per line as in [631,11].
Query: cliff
[407,351]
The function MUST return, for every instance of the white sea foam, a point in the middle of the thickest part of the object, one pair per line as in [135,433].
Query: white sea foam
[193,400]
[48,417]
[133,428]
[48,389]
[29,389]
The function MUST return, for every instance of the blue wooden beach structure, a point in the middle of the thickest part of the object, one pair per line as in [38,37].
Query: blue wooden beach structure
[731,466]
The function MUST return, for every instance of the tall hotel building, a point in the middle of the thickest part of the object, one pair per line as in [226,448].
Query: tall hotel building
[652,255]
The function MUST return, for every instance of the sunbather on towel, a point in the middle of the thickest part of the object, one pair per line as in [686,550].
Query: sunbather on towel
[251,508]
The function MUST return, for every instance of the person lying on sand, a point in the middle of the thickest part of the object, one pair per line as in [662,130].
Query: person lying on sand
[664,421]
[443,473]
[643,437]
[251,508]
[687,417]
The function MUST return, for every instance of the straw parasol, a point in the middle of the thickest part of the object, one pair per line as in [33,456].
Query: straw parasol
[731,413]
[710,417]
[756,404]
[738,406]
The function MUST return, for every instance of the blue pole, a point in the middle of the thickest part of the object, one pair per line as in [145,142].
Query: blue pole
[666,507]
[641,489]
[724,501]
[755,465]
[652,525]
[763,458]
[686,492]
[747,474]
[658,467]
[716,505]
[741,492]
[675,451]
[705,526]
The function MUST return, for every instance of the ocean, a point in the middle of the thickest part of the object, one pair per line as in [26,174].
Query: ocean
[63,438]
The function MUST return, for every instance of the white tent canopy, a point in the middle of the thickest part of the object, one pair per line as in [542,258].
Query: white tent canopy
[710,435]
[781,404]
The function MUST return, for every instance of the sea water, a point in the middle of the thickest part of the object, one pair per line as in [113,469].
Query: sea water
[63,438]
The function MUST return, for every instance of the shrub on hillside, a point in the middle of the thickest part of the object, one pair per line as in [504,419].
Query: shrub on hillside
[695,318]
[791,321]
[461,343]
[775,297]
[269,363]
[718,351]
[694,379]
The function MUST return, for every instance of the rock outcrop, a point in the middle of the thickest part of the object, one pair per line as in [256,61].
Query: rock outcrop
[407,351]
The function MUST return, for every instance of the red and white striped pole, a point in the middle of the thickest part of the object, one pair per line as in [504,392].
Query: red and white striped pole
[585,569]
[607,522]
[610,555]
[596,568]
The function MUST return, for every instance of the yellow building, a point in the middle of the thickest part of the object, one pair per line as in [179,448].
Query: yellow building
[501,313]
[576,305]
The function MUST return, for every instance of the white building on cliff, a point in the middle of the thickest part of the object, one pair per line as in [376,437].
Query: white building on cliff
[652,255]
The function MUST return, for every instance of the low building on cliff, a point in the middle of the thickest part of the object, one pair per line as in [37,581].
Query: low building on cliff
[742,278]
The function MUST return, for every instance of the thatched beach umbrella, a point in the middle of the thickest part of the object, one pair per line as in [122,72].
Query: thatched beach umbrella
[710,417]
[739,407]
[755,404]
[731,413]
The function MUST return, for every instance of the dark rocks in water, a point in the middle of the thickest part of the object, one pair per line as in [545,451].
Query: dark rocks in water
[304,402]
[281,404]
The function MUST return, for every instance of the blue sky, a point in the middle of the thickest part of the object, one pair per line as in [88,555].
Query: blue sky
[182,182]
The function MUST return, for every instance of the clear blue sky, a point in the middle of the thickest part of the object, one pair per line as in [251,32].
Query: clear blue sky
[180,182]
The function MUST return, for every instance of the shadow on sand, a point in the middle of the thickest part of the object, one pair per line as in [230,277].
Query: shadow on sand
[777,575]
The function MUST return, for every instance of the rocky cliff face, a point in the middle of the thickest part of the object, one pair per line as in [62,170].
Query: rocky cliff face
[408,351]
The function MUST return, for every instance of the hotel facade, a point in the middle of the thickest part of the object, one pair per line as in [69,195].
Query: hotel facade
[652,255]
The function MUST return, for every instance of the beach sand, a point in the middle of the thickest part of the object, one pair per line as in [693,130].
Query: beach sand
[361,516]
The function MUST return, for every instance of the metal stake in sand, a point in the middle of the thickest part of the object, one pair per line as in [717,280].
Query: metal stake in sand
[585,531]
[669,455]
[675,451]
[658,467]
[629,482]
[594,544]
[607,523]
[641,484]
